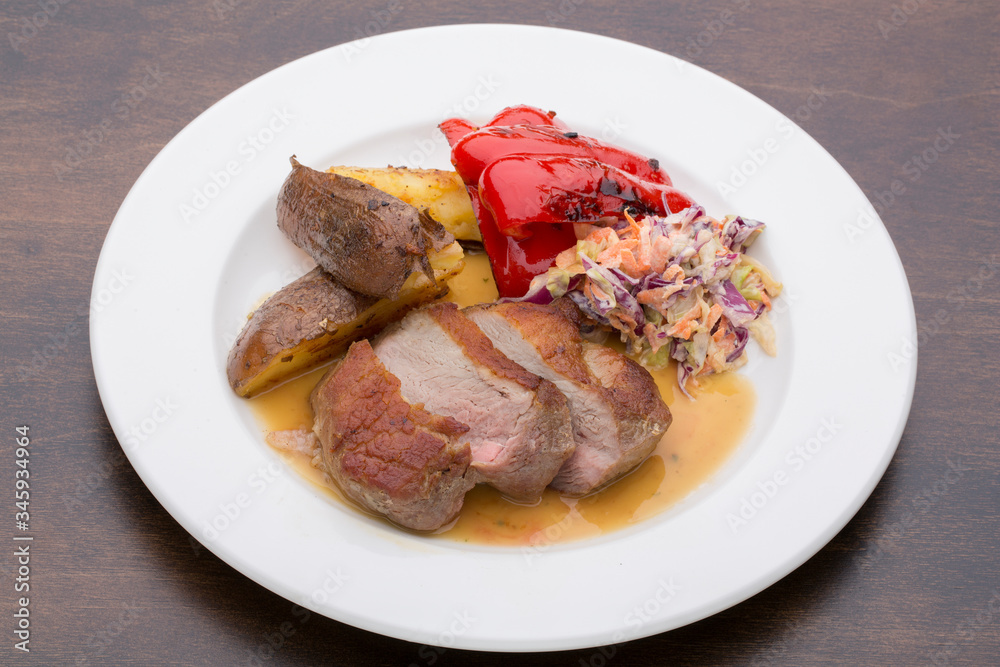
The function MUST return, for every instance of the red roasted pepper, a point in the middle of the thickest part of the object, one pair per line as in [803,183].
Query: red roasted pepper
[514,262]
[522,114]
[520,190]
[476,150]
[456,128]
[539,178]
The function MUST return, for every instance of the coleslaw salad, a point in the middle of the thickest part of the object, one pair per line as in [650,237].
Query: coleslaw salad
[679,287]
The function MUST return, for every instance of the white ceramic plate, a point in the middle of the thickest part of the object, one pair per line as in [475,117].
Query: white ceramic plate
[195,245]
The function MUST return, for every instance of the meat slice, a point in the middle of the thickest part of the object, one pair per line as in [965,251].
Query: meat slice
[617,414]
[519,424]
[641,418]
[394,458]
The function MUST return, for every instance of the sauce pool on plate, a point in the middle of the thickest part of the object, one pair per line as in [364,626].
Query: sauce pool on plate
[704,433]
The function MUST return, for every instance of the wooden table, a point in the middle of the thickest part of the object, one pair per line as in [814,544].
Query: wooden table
[90,92]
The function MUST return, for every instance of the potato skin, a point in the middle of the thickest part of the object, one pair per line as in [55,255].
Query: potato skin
[387,259]
[367,239]
[442,193]
[285,325]
[315,319]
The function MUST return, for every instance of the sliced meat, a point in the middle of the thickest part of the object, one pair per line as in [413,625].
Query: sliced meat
[617,414]
[545,343]
[394,458]
[519,424]
[641,418]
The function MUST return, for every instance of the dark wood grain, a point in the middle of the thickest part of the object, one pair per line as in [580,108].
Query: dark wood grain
[913,579]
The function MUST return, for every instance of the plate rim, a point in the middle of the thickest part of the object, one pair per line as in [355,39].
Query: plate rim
[807,551]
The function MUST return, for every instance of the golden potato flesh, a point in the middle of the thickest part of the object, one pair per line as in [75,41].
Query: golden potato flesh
[441,193]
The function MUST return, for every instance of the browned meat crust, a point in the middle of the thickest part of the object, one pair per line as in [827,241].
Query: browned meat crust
[520,426]
[478,347]
[553,336]
[394,458]
[640,414]
[618,416]
[635,397]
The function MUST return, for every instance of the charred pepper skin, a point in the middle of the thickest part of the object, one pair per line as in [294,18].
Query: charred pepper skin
[455,129]
[530,178]
[473,152]
[522,190]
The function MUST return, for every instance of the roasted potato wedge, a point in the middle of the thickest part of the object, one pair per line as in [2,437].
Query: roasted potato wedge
[367,239]
[315,319]
[441,192]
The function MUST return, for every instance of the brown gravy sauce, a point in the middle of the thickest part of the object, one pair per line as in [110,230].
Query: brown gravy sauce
[704,433]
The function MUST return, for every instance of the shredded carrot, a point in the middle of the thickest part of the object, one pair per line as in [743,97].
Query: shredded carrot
[638,249]
[674,273]
[593,292]
[725,346]
[645,256]
[610,258]
[602,234]
[658,296]
[714,314]
[633,226]
[719,334]
[632,265]
[655,342]
[660,254]
[629,244]
[566,258]
[683,327]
